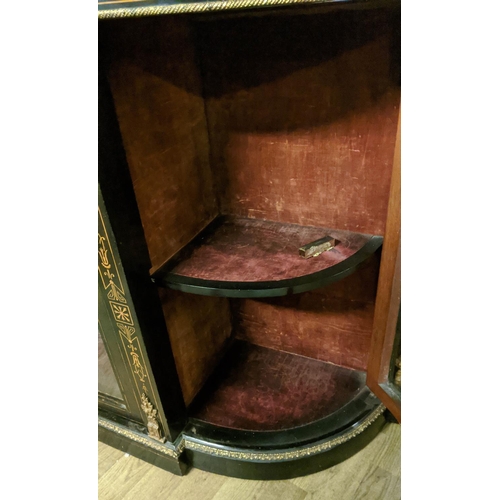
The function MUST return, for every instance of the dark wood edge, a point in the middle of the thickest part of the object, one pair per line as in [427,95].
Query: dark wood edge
[295,462]
[261,289]
[388,300]
[354,411]
[392,390]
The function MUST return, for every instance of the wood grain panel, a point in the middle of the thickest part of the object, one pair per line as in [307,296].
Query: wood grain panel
[157,91]
[302,115]
[329,324]
[199,329]
[388,301]
[310,324]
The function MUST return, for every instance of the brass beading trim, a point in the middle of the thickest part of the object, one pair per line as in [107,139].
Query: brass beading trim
[174,453]
[276,456]
[218,5]
[287,455]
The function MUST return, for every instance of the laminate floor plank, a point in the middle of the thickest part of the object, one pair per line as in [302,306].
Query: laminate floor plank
[201,485]
[262,490]
[108,457]
[389,456]
[340,481]
[123,477]
[372,474]
[378,484]
[159,484]
[343,480]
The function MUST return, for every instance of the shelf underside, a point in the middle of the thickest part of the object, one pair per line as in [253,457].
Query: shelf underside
[260,389]
[241,257]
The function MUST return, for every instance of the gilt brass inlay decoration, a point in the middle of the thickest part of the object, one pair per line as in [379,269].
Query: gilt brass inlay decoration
[126,331]
[174,453]
[136,363]
[397,375]
[246,455]
[114,293]
[108,270]
[287,455]
[183,8]
[122,314]
[154,429]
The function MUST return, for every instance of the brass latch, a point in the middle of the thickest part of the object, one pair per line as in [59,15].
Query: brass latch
[317,247]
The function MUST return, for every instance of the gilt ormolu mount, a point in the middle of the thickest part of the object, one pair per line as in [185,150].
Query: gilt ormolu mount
[245,162]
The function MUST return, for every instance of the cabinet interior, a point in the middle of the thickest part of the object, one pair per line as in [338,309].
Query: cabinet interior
[288,119]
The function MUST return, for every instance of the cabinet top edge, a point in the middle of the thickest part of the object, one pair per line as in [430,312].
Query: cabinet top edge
[139,8]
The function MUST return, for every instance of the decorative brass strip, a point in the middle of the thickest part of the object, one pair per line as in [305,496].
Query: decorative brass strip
[287,455]
[218,5]
[143,440]
[154,429]
[109,2]
[245,455]
[108,270]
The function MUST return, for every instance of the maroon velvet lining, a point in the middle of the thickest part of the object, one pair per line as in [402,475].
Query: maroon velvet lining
[256,388]
[254,250]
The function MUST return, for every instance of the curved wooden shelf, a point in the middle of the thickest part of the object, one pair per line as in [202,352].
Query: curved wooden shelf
[258,389]
[245,258]
[264,408]
[255,462]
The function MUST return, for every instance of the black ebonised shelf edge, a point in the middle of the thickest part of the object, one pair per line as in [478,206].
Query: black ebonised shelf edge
[228,237]
[268,288]
[362,405]
[283,463]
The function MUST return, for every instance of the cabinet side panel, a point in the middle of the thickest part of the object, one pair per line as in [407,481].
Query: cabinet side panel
[157,92]
[331,324]
[302,114]
[199,329]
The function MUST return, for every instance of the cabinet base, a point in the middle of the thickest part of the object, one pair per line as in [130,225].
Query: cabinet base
[247,463]
[165,456]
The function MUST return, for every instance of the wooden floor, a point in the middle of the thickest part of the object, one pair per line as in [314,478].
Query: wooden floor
[372,474]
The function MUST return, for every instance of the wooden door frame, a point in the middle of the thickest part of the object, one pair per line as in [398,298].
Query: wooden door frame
[388,301]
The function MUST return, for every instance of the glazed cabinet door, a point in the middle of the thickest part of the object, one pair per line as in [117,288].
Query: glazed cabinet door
[127,390]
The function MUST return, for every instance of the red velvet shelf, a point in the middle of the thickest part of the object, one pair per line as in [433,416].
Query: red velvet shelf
[242,257]
[260,389]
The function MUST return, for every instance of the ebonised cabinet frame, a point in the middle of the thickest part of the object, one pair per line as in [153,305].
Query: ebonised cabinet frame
[231,136]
